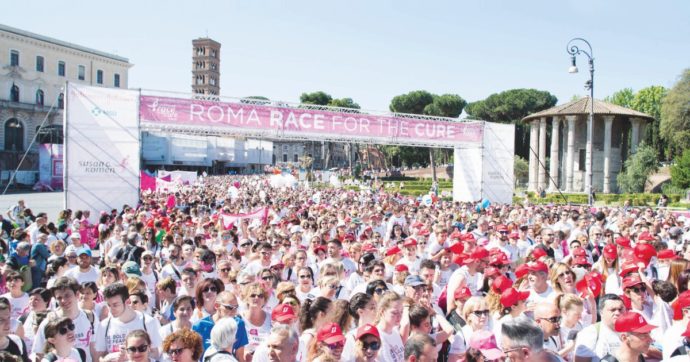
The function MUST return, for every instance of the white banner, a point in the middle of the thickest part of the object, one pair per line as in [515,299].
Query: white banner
[101,148]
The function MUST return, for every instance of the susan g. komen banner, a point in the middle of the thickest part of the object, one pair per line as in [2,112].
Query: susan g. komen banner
[266,120]
[259,214]
[101,152]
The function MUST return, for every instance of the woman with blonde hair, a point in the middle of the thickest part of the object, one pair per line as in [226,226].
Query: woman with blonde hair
[477,315]
[563,282]
[390,314]
[257,320]
[330,287]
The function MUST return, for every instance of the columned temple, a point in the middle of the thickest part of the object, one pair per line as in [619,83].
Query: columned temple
[558,141]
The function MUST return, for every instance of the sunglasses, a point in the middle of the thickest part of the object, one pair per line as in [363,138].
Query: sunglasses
[140,349]
[554,320]
[148,258]
[66,329]
[210,290]
[229,307]
[256,296]
[176,351]
[267,278]
[333,286]
[305,277]
[480,313]
[379,291]
[335,346]
[374,346]
[639,290]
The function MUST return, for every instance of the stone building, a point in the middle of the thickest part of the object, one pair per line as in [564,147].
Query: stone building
[205,66]
[33,72]
[558,141]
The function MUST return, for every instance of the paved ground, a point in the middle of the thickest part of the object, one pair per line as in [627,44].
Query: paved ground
[49,202]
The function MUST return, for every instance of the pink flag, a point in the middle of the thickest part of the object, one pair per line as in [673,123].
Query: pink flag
[148,183]
[171,202]
[230,219]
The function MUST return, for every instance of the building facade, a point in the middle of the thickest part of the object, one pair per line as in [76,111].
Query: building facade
[205,67]
[558,145]
[33,71]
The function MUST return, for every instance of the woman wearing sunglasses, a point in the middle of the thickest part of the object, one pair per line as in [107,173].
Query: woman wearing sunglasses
[60,338]
[368,344]
[206,293]
[184,345]
[477,314]
[257,320]
[328,345]
[137,345]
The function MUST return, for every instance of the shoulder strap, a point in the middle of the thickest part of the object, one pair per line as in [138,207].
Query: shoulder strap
[208,358]
[91,317]
[155,275]
[50,357]
[18,341]
[179,277]
[82,354]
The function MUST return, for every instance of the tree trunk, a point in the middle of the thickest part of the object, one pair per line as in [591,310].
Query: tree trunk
[433,166]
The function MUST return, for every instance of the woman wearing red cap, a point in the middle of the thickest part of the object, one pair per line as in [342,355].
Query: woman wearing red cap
[368,344]
[328,344]
[513,303]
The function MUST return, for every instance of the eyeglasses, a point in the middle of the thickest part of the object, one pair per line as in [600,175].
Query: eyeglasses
[379,291]
[148,258]
[335,346]
[267,278]
[480,313]
[229,307]
[176,351]
[639,290]
[374,346]
[245,245]
[225,270]
[266,253]
[563,274]
[140,349]
[210,290]
[256,296]
[333,286]
[554,320]
[66,329]
[304,276]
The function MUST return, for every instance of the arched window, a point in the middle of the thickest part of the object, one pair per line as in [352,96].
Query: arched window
[14,93]
[61,101]
[40,97]
[14,135]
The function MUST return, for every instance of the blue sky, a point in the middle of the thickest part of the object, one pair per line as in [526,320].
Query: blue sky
[372,50]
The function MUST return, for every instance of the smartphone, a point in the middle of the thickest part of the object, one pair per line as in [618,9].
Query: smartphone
[572,335]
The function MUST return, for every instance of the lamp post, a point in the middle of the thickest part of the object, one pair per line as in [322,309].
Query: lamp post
[573,49]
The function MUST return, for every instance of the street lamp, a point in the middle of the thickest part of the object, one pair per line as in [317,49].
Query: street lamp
[573,49]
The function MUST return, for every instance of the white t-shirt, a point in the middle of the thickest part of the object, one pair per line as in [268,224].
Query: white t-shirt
[257,334]
[112,332]
[82,332]
[545,296]
[82,277]
[73,355]
[20,306]
[392,347]
[596,344]
[672,339]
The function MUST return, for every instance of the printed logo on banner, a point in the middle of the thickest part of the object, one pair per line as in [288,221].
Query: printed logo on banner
[98,111]
[165,111]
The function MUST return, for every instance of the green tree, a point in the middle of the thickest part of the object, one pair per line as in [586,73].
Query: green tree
[446,105]
[520,170]
[413,102]
[320,98]
[255,100]
[510,107]
[675,115]
[623,98]
[680,171]
[648,100]
[637,168]
[343,103]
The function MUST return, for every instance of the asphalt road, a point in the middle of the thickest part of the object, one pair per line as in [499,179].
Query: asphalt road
[48,202]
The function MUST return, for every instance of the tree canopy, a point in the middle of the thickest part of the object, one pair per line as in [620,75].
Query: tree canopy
[623,98]
[511,106]
[637,168]
[320,98]
[675,115]
[680,171]
[344,103]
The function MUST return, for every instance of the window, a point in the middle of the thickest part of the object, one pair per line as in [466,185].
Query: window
[39,63]
[295,159]
[14,93]
[61,101]
[14,135]
[61,68]
[81,73]
[284,157]
[14,58]
[581,160]
[99,76]
[40,97]
[116,80]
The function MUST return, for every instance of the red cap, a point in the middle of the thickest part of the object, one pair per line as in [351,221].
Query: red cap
[632,322]
[368,329]
[457,248]
[627,268]
[491,272]
[401,268]
[514,235]
[538,253]
[485,342]
[589,284]
[610,251]
[499,259]
[537,266]
[512,296]
[462,293]
[631,281]
[682,302]
[521,271]
[624,242]
[321,248]
[480,253]
[423,232]
[462,259]
[581,260]
[667,254]
[283,313]
[646,236]
[392,251]
[644,252]
[330,333]
[409,242]
[368,247]
[469,237]
[580,252]
[350,237]
[500,284]
[501,228]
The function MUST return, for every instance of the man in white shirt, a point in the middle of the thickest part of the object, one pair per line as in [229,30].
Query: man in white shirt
[599,339]
[84,272]
[335,248]
[540,290]
[672,337]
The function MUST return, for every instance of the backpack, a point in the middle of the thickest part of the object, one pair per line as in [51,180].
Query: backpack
[208,358]
[52,357]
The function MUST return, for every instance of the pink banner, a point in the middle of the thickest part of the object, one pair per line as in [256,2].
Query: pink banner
[261,118]
[229,220]
[147,183]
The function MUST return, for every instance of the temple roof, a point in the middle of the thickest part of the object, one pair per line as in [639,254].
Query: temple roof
[582,107]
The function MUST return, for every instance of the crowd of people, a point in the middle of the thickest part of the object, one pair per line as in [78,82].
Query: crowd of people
[235,269]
